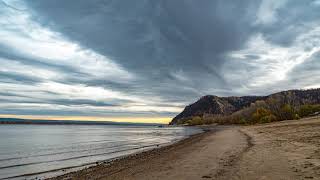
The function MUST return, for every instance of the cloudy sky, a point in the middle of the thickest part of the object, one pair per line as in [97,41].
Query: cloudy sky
[145,60]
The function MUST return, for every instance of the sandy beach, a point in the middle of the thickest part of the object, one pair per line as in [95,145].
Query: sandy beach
[282,150]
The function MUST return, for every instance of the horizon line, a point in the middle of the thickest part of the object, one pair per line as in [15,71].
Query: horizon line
[158,120]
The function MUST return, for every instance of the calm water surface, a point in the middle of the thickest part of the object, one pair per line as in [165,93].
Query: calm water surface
[29,151]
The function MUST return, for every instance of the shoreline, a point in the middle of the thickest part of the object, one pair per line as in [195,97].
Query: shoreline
[103,151]
[113,167]
[281,150]
[143,154]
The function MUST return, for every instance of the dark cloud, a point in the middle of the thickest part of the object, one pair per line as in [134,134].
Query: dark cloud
[306,73]
[81,102]
[153,37]
[18,78]
[293,19]
[172,52]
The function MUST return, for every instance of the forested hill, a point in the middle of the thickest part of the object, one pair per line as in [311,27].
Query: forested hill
[216,107]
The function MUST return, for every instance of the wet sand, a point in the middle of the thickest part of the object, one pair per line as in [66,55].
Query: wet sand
[282,150]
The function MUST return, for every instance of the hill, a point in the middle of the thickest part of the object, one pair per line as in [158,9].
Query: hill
[214,106]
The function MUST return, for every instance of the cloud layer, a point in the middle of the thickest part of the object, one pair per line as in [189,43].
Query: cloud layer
[151,58]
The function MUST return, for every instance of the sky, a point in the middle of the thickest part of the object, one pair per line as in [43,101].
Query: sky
[144,61]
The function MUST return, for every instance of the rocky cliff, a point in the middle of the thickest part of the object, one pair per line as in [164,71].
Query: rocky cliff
[214,105]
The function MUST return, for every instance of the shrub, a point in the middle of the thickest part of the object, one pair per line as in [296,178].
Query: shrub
[307,110]
[208,119]
[261,114]
[243,121]
[287,112]
[196,120]
[268,119]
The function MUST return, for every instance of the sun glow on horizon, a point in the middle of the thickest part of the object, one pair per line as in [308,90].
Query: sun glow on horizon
[161,120]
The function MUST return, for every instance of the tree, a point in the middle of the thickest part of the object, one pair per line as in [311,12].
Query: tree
[196,120]
[287,112]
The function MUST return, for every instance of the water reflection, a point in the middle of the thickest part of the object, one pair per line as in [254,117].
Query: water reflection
[26,149]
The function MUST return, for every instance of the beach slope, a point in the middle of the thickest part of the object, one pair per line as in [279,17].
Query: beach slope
[282,150]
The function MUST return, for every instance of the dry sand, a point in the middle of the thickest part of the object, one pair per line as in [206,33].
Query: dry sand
[283,150]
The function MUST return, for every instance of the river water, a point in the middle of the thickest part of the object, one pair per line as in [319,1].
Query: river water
[39,151]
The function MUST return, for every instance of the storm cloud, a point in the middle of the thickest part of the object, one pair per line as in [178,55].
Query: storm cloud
[151,58]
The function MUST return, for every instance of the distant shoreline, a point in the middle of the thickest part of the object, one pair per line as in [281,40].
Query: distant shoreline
[70,122]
